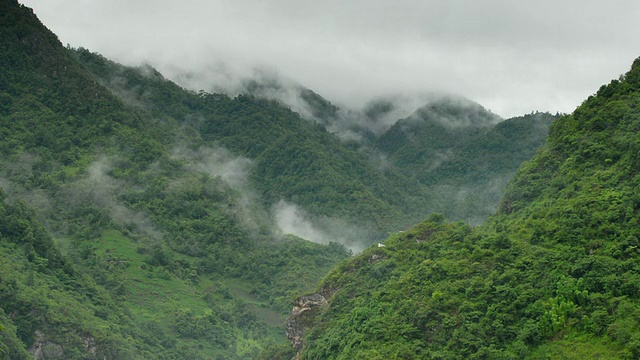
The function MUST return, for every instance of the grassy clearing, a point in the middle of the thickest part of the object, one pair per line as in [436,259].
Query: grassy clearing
[240,290]
[147,287]
[154,296]
[579,347]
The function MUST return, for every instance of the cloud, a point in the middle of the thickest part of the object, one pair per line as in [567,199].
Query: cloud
[217,163]
[512,57]
[234,171]
[291,219]
[104,190]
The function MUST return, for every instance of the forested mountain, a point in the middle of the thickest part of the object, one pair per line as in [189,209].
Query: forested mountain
[125,233]
[459,153]
[292,159]
[553,274]
[462,153]
[140,220]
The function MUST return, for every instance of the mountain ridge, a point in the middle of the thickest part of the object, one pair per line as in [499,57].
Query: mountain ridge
[148,221]
[553,274]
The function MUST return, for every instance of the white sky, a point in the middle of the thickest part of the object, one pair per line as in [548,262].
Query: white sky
[513,57]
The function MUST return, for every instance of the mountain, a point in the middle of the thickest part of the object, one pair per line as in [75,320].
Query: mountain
[444,122]
[462,153]
[124,233]
[142,220]
[284,148]
[459,153]
[444,129]
[553,274]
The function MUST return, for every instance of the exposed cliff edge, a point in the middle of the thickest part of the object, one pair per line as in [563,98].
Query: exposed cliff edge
[302,316]
[298,319]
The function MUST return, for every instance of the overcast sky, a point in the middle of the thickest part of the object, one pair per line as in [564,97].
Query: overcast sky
[513,57]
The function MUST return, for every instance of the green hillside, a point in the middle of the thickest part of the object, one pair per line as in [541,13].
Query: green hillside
[554,274]
[462,153]
[417,140]
[450,156]
[140,220]
[293,159]
[128,234]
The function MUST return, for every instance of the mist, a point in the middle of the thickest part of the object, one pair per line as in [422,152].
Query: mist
[216,162]
[234,171]
[283,217]
[512,57]
[291,219]
[13,178]
[104,191]
[95,187]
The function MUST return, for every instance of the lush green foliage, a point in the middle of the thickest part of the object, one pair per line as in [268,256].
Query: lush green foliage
[456,148]
[114,245]
[294,159]
[556,270]
[41,289]
[136,216]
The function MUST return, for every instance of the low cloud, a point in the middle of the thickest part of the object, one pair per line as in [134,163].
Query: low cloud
[291,219]
[455,112]
[104,190]
[217,162]
[512,57]
[234,171]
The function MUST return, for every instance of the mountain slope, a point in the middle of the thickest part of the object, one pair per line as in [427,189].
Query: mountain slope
[147,221]
[553,274]
[416,140]
[462,153]
[171,257]
[277,140]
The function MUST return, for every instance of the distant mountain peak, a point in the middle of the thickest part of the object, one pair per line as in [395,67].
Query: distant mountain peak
[456,112]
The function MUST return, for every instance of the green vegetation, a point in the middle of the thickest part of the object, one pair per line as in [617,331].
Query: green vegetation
[42,290]
[462,154]
[554,274]
[293,159]
[120,236]
[139,220]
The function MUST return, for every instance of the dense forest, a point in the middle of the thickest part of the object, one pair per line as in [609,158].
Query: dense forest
[553,274]
[125,233]
[141,220]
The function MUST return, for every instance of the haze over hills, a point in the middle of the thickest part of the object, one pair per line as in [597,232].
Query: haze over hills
[553,274]
[143,220]
[512,58]
[121,224]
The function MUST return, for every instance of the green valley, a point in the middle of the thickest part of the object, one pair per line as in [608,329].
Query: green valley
[553,274]
[141,220]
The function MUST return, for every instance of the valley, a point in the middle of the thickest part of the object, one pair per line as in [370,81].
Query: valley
[142,220]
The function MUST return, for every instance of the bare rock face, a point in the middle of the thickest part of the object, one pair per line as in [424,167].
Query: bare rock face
[376,258]
[90,344]
[298,319]
[44,349]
